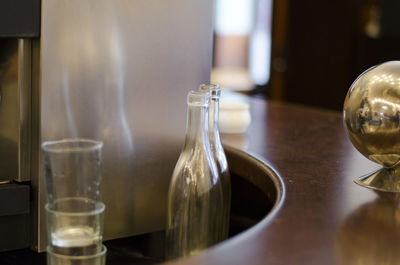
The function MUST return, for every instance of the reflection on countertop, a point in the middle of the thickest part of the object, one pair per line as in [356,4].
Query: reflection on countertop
[370,234]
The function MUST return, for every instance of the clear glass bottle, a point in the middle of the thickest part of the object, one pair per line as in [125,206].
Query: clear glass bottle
[219,154]
[195,196]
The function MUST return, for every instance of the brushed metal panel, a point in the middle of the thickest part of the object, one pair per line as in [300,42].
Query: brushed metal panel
[24,105]
[37,183]
[15,99]
[119,71]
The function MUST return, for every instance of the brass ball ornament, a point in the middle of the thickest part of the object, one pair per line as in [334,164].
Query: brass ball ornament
[371,116]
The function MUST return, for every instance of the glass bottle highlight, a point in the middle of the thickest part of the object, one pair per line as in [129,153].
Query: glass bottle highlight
[219,154]
[195,195]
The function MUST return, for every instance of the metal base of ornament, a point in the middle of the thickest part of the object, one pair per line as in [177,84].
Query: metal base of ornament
[384,179]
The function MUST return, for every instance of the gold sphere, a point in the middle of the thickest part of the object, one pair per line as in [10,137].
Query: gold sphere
[371,113]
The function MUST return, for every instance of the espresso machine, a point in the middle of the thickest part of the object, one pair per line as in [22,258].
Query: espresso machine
[116,71]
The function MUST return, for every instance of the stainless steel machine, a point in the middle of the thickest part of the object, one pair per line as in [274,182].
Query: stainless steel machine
[116,71]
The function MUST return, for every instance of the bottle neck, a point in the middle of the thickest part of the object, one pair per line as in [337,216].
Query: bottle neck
[197,126]
[213,123]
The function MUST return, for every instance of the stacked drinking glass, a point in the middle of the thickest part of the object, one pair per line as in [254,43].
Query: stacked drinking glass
[74,210]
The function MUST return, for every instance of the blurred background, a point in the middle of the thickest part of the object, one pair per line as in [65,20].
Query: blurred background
[306,52]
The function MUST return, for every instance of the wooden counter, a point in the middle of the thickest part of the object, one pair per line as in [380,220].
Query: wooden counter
[325,217]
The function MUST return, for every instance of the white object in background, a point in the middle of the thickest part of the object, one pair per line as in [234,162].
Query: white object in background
[260,43]
[234,117]
[260,57]
[234,17]
[232,78]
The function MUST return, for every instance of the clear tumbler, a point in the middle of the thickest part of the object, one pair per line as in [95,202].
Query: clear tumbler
[72,169]
[74,210]
[75,226]
[58,259]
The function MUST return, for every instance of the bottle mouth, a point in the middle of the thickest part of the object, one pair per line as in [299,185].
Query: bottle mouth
[198,98]
[215,90]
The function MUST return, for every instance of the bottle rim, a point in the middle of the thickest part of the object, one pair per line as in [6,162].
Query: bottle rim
[214,89]
[198,98]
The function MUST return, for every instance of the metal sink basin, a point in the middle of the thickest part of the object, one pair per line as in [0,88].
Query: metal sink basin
[257,193]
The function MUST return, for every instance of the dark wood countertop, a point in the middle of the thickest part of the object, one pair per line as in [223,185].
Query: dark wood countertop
[325,217]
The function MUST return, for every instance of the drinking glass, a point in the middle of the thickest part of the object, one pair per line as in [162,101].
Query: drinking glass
[58,259]
[74,211]
[75,226]
[72,169]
